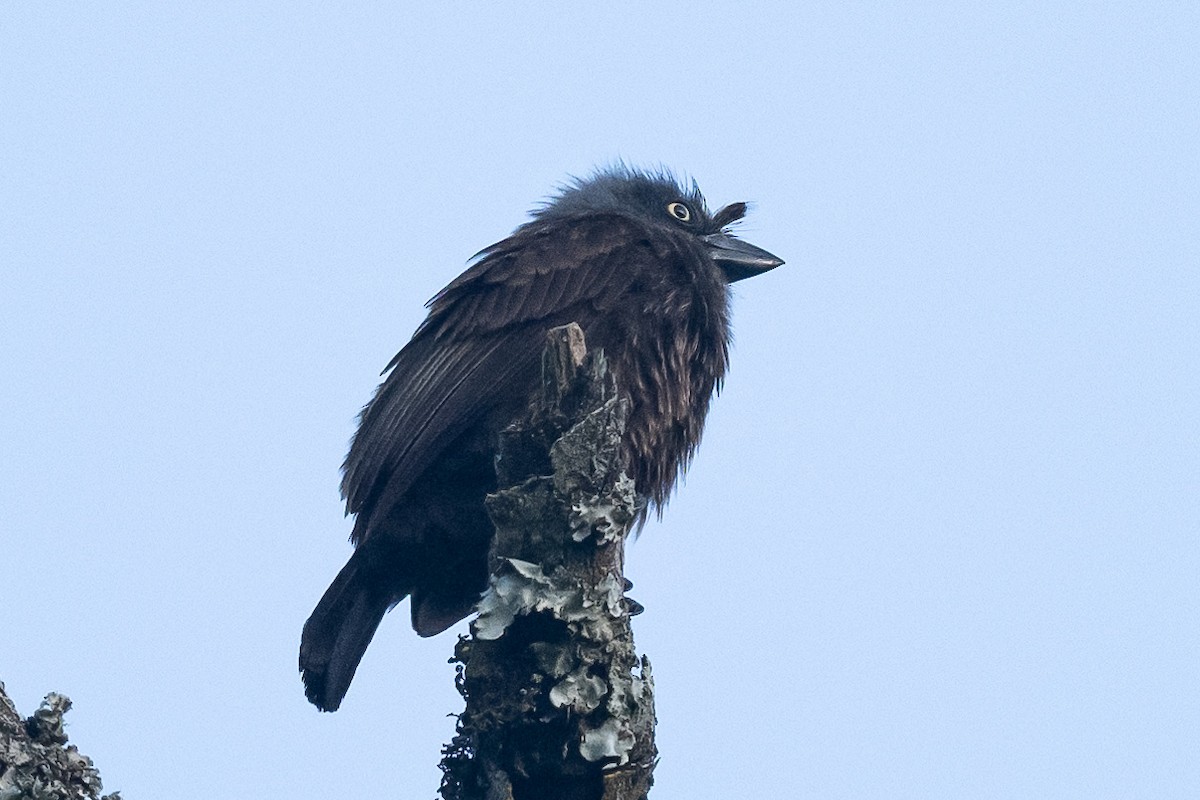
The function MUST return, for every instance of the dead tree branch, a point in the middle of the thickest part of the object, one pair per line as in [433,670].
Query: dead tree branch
[36,763]
[558,704]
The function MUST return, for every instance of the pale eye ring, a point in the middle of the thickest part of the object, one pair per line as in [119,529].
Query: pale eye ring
[679,211]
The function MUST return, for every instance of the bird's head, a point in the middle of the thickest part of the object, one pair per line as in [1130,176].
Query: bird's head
[659,198]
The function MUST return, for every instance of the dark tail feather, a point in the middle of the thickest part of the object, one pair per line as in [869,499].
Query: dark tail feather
[338,632]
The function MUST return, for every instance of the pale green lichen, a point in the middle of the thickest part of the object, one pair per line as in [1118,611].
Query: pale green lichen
[611,740]
[579,691]
[608,515]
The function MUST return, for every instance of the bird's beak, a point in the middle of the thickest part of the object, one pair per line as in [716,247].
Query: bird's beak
[738,259]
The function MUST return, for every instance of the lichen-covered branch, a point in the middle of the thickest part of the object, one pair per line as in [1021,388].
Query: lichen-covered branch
[36,763]
[558,704]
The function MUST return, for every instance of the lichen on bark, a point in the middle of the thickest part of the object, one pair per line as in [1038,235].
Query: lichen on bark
[557,702]
[36,762]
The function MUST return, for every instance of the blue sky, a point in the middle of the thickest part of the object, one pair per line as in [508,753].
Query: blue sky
[941,540]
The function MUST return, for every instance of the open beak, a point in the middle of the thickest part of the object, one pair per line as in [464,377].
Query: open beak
[738,259]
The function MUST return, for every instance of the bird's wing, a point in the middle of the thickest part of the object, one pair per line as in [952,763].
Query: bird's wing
[542,270]
[481,344]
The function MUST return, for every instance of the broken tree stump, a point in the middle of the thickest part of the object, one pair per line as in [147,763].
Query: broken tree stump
[558,703]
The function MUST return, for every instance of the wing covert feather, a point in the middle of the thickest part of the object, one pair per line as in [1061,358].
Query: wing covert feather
[481,345]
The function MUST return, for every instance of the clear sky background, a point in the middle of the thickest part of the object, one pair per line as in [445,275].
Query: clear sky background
[941,540]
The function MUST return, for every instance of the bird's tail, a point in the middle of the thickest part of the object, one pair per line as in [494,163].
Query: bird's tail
[338,632]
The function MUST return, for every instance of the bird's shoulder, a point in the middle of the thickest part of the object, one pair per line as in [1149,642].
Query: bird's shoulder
[482,340]
[546,267]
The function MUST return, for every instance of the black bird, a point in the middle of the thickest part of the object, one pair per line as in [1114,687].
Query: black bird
[639,262]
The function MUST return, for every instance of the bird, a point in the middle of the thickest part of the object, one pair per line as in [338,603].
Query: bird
[636,259]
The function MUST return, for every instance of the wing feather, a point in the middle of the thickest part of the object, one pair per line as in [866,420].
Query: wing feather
[481,345]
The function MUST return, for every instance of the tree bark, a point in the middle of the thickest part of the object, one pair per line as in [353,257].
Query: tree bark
[558,704]
[36,763]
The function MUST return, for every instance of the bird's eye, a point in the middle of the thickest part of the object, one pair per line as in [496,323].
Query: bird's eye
[679,211]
